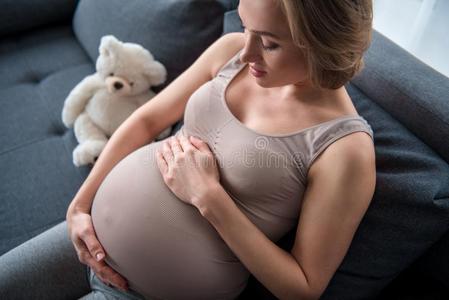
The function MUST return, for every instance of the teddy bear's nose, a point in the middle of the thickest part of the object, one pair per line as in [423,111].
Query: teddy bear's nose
[118,85]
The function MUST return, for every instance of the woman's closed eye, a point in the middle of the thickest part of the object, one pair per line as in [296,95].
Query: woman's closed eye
[270,47]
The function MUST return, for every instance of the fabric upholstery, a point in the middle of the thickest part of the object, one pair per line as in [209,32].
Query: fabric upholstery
[412,92]
[38,179]
[160,27]
[435,262]
[20,15]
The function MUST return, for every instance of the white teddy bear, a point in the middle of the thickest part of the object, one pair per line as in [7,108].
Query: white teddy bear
[102,101]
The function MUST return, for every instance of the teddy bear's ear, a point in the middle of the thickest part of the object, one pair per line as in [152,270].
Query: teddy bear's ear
[108,44]
[155,72]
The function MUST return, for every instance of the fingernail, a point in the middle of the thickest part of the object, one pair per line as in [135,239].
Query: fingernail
[99,256]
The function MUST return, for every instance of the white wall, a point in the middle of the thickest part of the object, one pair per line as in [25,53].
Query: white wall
[419,26]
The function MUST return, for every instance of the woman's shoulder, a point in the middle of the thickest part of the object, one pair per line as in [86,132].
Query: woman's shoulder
[355,146]
[227,46]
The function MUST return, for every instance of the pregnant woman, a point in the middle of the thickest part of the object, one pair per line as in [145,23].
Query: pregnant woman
[270,140]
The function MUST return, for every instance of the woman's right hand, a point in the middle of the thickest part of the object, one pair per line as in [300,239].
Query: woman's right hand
[87,246]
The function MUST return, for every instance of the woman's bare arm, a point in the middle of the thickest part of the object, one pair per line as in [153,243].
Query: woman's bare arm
[130,135]
[340,188]
[149,120]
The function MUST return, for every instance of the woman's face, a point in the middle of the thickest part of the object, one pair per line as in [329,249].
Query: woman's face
[269,46]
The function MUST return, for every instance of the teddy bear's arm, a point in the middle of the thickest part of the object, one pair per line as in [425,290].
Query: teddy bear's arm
[77,99]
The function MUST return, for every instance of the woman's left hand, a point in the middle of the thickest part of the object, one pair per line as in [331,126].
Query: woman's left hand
[188,167]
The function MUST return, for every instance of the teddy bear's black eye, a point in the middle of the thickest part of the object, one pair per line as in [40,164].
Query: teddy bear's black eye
[111,74]
[131,83]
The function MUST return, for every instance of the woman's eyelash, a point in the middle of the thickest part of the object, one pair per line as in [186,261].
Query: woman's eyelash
[268,48]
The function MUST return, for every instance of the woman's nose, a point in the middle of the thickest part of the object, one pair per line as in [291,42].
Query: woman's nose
[250,52]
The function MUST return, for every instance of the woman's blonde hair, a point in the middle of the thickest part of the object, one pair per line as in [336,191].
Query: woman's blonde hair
[332,34]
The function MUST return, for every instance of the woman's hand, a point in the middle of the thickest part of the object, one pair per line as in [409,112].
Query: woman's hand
[188,167]
[87,246]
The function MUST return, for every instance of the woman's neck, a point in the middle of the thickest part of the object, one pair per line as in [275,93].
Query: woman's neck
[306,94]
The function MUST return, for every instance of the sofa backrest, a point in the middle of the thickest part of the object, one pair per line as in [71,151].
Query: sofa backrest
[175,32]
[21,15]
[412,92]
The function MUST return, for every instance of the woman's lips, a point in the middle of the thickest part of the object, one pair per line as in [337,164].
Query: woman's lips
[256,72]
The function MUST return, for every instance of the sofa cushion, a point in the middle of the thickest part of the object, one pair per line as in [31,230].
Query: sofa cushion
[38,179]
[37,71]
[435,262]
[410,208]
[20,15]
[157,25]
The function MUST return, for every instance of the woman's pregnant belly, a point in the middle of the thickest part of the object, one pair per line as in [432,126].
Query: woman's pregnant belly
[161,245]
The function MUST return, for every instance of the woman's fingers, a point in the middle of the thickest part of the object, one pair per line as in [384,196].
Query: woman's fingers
[93,245]
[81,250]
[87,246]
[161,163]
[83,235]
[103,271]
[186,145]
[202,146]
[167,152]
[94,258]
[108,275]
[175,146]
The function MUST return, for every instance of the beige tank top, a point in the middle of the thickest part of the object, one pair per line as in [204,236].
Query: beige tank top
[163,246]
[264,174]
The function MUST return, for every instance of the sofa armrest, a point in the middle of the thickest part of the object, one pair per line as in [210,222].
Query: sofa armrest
[411,91]
[20,15]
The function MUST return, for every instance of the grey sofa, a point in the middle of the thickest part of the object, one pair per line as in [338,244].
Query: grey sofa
[48,46]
